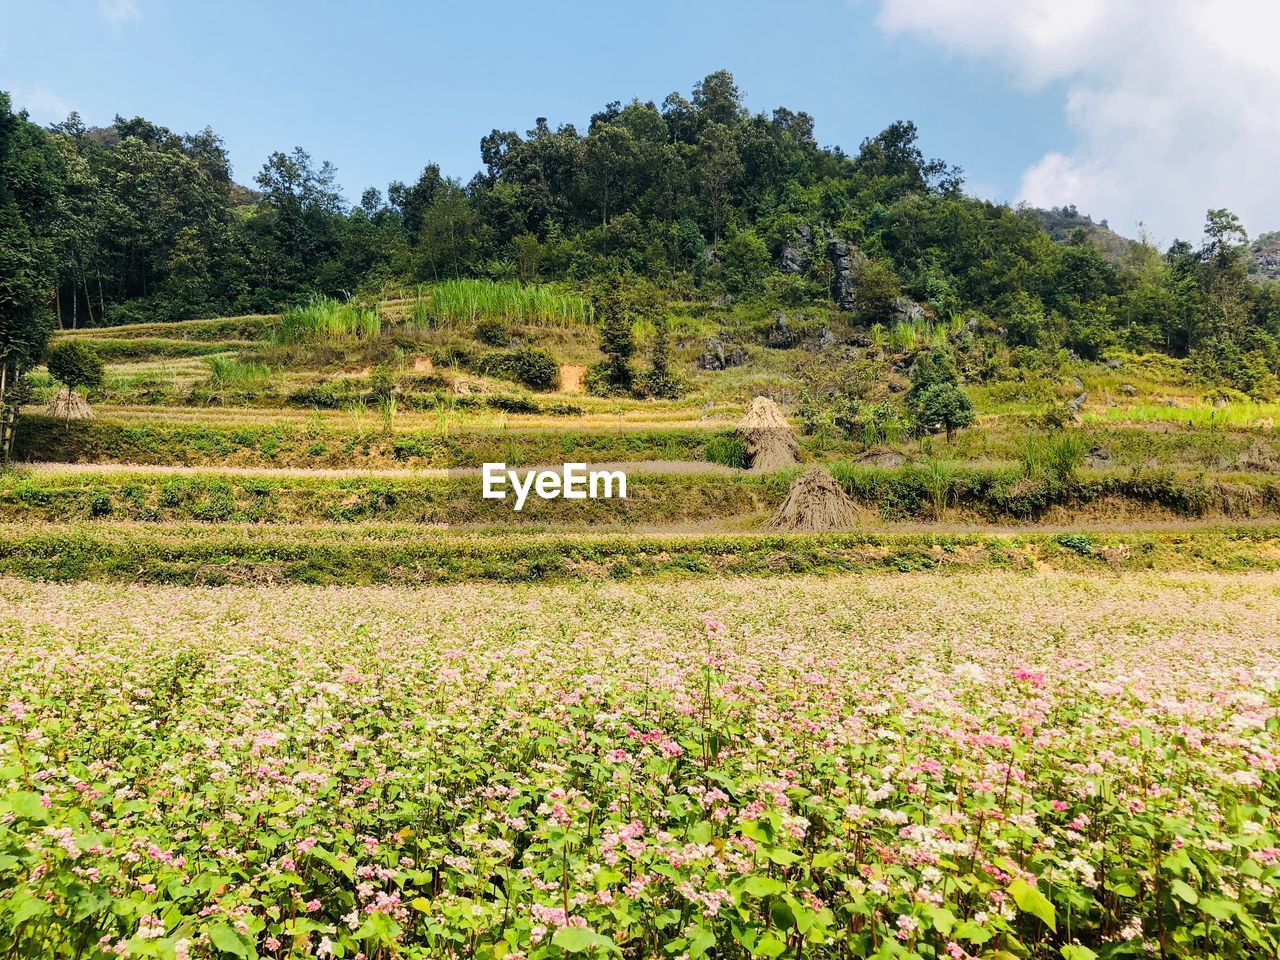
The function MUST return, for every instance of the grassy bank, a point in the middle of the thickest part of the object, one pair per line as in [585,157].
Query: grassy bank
[932,492]
[230,498]
[399,554]
[300,444]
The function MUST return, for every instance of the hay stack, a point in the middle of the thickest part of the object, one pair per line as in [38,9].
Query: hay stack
[815,503]
[770,443]
[69,405]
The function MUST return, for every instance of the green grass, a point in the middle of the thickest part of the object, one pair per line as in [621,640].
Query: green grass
[140,496]
[322,319]
[1231,415]
[228,374]
[213,555]
[251,327]
[461,303]
[303,444]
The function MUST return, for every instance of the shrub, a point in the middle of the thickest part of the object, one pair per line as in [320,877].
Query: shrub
[1077,543]
[493,332]
[75,364]
[536,369]
[1057,455]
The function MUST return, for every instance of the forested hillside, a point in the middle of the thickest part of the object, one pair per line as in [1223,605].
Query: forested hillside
[695,198]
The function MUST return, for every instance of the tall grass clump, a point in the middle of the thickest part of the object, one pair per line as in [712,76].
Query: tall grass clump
[461,303]
[1057,455]
[228,374]
[325,319]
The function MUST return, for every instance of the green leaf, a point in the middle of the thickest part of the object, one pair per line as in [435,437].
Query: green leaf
[700,832]
[1184,891]
[228,941]
[769,946]
[700,941]
[781,857]
[1219,908]
[1073,951]
[942,918]
[973,932]
[581,940]
[759,885]
[783,918]
[306,925]
[24,911]
[26,804]
[1030,900]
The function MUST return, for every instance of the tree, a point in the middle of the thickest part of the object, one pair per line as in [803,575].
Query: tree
[658,381]
[942,406]
[75,364]
[935,399]
[894,155]
[618,345]
[29,191]
[746,262]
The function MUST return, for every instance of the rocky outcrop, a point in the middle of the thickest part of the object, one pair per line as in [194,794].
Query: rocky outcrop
[847,261]
[717,356]
[795,254]
[781,335]
[906,310]
[818,340]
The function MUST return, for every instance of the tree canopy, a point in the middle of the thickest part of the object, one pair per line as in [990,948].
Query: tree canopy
[698,195]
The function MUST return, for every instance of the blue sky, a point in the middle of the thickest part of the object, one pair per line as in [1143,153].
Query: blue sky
[380,89]
[1142,111]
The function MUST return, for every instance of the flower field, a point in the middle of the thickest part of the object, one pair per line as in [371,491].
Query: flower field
[977,765]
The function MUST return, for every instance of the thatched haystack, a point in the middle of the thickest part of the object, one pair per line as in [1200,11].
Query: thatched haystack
[69,405]
[815,503]
[770,443]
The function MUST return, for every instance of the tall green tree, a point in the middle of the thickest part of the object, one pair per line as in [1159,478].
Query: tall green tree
[30,186]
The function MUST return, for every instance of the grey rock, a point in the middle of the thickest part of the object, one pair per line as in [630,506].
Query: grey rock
[780,336]
[791,260]
[1077,383]
[797,252]
[906,310]
[712,358]
[1128,389]
[821,340]
[1098,458]
[847,262]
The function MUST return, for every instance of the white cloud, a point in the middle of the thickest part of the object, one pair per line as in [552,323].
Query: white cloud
[43,104]
[1175,104]
[118,12]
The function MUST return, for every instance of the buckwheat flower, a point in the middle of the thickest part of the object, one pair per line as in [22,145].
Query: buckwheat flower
[150,927]
[907,926]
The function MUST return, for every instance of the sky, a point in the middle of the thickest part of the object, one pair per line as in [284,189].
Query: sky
[1142,112]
